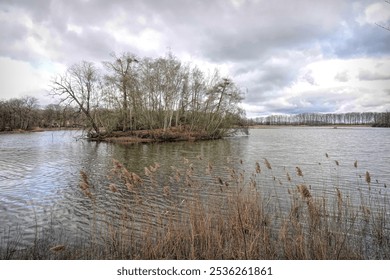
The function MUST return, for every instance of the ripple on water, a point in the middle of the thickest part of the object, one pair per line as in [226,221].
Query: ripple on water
[39,172]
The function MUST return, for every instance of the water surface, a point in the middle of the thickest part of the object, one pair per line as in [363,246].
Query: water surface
[40,172]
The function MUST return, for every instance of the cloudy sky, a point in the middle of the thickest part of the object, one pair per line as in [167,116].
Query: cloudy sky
[289,56]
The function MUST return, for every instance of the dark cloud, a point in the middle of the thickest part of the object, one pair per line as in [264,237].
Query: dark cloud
[266,44]
[256,30]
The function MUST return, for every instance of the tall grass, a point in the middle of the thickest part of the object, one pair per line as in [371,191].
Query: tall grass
[195,212]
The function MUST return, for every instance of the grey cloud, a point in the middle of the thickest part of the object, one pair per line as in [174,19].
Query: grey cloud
[366,75]
[366,40]
[91,46]
[342,76]
[257,31]
[216,30]
[308,77]
[252,38]
[11,36]
[267,79]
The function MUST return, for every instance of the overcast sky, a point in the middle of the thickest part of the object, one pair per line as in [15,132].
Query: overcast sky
[289,56]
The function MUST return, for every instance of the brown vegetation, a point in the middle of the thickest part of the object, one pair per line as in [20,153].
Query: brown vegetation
[156,135]
[198,214]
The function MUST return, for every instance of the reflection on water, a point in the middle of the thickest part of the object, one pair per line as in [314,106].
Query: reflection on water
[40,172]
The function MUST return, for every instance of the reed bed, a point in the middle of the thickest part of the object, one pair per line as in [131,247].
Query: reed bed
[197,213]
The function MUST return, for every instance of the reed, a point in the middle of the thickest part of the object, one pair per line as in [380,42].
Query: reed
[197,213]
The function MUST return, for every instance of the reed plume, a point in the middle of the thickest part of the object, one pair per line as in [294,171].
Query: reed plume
[113,188]
[147,171]
[299,171]
[181,221]
[258,169]
[304,191]
[57,248]
[368,177]
[85,185]
[267,164]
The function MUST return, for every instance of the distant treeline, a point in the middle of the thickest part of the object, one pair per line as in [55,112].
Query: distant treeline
[380,119]
[26,114]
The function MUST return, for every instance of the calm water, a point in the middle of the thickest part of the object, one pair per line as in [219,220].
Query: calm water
[40,172]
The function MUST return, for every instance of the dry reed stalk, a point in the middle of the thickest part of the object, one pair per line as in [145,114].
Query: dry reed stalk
[366,210]
[166,190]
[368,178]
[299,171]
[258,169]
[129,186]
[288,177]
[84,184]
[147,172]
[209,167]
[57,248]
[113,188]
[304,191]
[136,179]
[339,198]
[267,164]
[229,226]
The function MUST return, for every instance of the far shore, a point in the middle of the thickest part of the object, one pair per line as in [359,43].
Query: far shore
[130,137]
[266,126]
[38,129]
[170,135]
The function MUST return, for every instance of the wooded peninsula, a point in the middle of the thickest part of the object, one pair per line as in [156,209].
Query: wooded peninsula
[128,94]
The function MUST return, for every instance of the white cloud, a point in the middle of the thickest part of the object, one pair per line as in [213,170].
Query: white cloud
[342,76]
[237,3]
[74,28]
[144,40]
[19,78]
[376,13]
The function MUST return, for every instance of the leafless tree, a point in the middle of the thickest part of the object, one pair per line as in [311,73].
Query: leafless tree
[80,85]
[121,75]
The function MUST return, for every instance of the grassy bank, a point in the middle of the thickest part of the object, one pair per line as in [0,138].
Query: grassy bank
[199,214]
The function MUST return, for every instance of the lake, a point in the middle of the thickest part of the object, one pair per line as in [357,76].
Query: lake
[40,172]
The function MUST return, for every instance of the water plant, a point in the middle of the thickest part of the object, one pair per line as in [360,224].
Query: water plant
[196,212]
